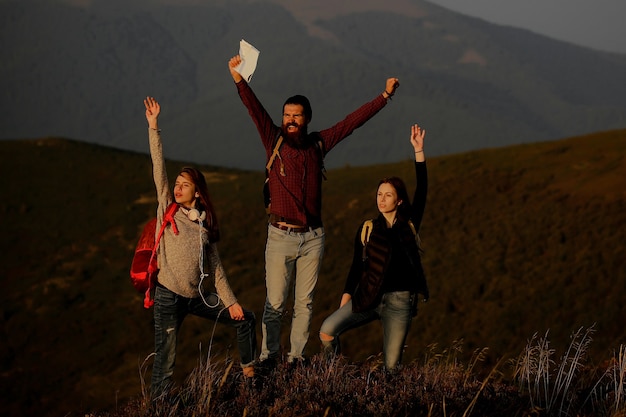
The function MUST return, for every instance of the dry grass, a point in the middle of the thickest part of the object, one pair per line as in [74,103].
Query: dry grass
[437,385]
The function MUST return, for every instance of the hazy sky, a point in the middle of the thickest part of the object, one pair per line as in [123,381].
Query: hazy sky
[599,24]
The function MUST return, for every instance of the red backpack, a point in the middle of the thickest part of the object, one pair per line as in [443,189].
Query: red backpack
[144,269]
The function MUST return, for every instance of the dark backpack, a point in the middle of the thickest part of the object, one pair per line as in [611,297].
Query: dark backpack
[144,268]
[319,144]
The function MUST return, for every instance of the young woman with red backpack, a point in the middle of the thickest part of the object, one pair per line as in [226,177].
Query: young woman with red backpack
[188,259]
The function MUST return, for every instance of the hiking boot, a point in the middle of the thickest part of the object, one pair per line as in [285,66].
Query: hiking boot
[296,363]
[266,367]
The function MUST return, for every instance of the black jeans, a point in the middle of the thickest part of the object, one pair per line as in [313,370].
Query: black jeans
[170,310]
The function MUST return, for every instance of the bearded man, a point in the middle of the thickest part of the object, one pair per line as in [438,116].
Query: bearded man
[295,233]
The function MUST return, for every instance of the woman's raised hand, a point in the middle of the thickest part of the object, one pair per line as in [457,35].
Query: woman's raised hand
[152,111]
[417,140]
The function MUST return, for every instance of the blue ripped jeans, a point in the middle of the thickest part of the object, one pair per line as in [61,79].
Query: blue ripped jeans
[394,311]
[170,309]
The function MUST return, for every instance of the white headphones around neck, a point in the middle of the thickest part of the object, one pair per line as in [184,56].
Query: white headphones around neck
[194,214]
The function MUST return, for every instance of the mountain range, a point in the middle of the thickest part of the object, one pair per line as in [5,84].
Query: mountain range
[80,69]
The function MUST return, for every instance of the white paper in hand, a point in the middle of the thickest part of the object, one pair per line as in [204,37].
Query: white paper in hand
[249,57]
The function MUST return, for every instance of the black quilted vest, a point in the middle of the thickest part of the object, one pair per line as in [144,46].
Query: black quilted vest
[377,253]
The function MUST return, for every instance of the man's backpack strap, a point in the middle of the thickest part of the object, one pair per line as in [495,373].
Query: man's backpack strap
[266,186]
[274,153]
[319,143]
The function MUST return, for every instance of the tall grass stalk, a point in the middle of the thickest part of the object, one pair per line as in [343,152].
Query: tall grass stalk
[469,409]
[535,371]
[608,392]
[619,374]
[479,355]
[571,363]
[532,369]
[200,383]
[145,395]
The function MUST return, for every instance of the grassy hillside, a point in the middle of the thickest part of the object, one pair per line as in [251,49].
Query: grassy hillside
[518,240]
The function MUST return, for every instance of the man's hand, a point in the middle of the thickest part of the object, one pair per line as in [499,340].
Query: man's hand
[232,64]
[390,87]
[152,112]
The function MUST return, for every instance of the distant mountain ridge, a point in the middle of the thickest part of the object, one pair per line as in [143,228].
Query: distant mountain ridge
[82,71]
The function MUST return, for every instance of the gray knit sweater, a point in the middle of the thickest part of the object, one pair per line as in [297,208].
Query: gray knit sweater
[179,255]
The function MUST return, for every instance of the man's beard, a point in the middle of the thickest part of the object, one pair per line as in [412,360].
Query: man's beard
[297,139]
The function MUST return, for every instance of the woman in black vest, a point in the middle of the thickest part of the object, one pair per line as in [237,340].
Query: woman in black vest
[386,274]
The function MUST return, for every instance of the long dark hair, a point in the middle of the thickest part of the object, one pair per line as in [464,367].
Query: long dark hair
[404,211]
[203,202]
